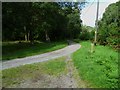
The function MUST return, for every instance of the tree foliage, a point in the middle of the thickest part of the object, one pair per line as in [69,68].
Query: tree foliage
[87,33]
[46,21]
[109,27]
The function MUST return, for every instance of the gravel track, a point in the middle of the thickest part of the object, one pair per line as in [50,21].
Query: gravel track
[40,58]
[67,79]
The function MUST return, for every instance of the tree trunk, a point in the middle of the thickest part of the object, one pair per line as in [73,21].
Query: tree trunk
[31,37]
[28,35]
[25,33]
[47,36]
[25,37]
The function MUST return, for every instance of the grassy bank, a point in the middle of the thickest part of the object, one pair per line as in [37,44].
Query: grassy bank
[15,76]
[12,50]
[100,68]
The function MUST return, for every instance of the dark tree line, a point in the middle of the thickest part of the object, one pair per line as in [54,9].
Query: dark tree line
[40,21]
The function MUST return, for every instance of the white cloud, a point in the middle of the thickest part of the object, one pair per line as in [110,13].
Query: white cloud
[88,14]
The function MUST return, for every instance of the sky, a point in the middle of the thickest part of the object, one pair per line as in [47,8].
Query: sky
[88,14]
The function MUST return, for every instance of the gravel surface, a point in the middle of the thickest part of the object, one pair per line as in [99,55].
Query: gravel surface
[40,58]
[64,80]
[47,81]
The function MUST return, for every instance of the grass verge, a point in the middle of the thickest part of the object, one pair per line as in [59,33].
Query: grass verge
[14,50]
[100,68]
[17,75]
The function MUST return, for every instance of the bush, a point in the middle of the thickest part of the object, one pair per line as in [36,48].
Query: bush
[76,40]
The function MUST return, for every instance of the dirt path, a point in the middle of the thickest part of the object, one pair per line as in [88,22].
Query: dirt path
[68,79]
[40,58]
[73,74]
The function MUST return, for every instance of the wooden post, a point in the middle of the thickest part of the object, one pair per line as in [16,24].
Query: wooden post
[96,24]
[92,47]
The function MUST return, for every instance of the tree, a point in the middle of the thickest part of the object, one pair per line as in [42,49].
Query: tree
[87,33]
[16,21]
[40,21]
[74,24]
[52,20]
[109,26]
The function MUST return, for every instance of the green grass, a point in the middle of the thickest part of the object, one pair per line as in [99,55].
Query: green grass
[100,68]
[12,50]
[16,75]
